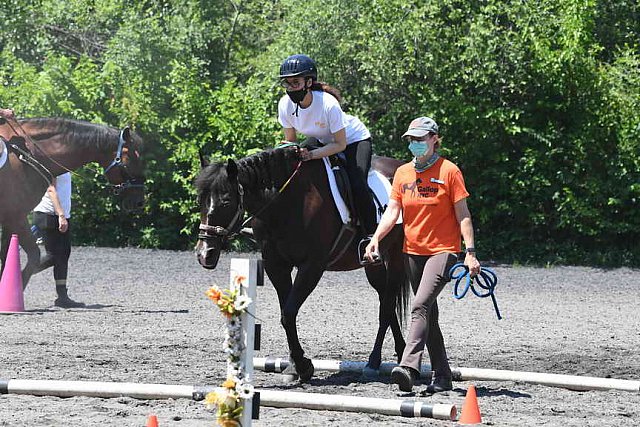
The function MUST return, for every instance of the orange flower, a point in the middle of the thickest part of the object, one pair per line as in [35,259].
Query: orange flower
[239,279]
[214,294]
[226,422]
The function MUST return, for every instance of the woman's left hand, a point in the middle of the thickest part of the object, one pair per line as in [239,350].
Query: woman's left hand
[472,264]
[306,155]
[63,224]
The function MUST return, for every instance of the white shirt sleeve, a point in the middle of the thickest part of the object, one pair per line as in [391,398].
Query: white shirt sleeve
[336,116]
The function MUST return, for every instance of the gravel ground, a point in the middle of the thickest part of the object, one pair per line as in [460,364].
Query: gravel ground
[148,321]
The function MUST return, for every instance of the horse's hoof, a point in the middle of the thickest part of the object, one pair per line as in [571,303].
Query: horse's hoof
[305,370]
[289,378]
[289,374]
[370,373]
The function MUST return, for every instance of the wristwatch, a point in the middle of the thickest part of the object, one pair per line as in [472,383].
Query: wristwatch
[470,250]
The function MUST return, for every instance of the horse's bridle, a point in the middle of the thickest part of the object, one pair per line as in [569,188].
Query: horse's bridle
[129,182]
[216,231]
[208,232]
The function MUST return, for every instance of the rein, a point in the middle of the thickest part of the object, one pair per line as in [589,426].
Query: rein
[270,202]
[28,158]
[486,279]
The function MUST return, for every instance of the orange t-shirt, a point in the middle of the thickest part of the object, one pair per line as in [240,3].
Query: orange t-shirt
[427,199]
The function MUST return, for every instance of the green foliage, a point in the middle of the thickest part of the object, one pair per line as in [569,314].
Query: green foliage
[537,101]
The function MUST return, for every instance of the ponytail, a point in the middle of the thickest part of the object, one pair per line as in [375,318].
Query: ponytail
[323,87]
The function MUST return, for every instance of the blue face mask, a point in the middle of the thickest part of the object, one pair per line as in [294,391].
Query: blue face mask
[418,149]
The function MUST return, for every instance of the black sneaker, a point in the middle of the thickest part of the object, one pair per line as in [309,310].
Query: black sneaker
[404,377]
[438,385]
[66,302]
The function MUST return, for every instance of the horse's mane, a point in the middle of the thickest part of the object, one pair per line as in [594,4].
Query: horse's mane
[266,170]
[85,134]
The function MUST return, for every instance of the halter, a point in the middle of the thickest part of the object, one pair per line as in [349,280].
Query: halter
[117,162]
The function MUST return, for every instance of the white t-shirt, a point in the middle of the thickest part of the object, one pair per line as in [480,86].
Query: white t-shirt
[321,119]
[63,188]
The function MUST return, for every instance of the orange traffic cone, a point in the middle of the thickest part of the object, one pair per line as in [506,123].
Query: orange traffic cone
[470,410]
[152,421]
[11,296]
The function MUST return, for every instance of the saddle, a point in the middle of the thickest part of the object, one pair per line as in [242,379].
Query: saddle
[351,229]
[338,166]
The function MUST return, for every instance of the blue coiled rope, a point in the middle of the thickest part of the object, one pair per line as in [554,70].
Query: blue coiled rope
[486,279]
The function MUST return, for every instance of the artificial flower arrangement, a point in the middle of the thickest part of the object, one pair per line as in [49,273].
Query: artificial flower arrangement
[227,400]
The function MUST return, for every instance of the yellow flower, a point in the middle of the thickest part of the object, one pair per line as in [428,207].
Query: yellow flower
[229,383]
[211,399]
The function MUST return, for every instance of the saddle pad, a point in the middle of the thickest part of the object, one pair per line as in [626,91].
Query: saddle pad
[4,155]
[380,186]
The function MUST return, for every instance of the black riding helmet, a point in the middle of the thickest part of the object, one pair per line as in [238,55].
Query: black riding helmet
[298,65]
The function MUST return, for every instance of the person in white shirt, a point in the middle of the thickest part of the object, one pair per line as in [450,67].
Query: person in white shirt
[313,109]
[52,218]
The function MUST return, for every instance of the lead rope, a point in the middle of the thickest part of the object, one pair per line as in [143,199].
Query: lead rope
[486,279]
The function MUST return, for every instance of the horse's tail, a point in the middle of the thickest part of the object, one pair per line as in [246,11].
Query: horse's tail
[403,298]
[400,278]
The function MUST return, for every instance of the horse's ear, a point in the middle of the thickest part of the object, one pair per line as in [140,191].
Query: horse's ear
[204,162]
[232,169]
[126,134]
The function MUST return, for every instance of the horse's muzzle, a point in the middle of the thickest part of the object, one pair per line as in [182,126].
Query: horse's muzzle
[208,257]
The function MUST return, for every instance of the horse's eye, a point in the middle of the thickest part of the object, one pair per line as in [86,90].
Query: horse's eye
[225,203]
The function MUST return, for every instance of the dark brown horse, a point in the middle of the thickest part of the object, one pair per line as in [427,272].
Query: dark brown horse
[40,149]
[296,226]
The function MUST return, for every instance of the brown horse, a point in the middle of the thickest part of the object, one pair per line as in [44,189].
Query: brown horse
[40,149]
[297,225]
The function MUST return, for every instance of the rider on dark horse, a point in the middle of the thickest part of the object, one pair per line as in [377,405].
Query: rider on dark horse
[312,108]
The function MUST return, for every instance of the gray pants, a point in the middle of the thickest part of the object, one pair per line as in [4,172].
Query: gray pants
[428,276]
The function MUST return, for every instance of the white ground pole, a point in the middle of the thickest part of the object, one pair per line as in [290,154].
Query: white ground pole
[272,398]
[572,382]
[251,269]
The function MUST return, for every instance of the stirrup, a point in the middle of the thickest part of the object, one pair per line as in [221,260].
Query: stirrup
[362,245]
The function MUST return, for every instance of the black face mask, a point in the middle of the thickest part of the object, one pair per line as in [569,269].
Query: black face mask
[297,95]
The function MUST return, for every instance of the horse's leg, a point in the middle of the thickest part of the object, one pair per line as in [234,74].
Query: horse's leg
[390,281]
[306,280]
[28,243]
[4,248]
[379,279]
[279,272]
[400,288]
[291,299]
